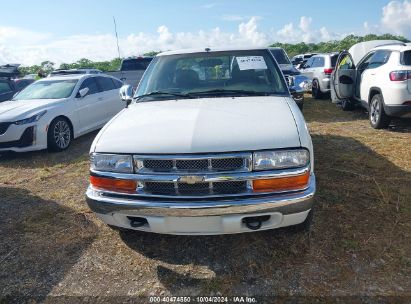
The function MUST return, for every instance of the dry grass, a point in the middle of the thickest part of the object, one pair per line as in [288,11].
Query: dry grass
[359,244]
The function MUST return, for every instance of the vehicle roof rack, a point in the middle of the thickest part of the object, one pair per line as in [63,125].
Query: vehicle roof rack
[393,43]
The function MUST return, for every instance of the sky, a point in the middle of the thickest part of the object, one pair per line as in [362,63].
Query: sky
[65,31]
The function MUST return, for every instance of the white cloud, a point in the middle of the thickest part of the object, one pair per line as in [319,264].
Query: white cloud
[27,47]
[20,45]
[325,34]
[250,32]
[396,17]
[305,23]
[288,33]
[304,32]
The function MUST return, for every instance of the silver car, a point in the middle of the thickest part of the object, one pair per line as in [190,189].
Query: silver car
[319,68]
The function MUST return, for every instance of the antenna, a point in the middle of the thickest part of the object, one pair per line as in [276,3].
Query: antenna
[118,47]
[115,30]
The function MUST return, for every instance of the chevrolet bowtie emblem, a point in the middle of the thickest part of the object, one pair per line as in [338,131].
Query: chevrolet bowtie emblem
[191,179]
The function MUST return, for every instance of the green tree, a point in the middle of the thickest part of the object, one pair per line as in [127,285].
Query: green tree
[152,53]
[334,45]
[47,66]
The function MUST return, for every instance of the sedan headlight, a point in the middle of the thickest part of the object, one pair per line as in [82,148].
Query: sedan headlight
[31,119]
[111,163]
[281,159]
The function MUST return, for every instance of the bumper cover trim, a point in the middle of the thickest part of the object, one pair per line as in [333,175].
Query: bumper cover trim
[397,110]
[286,203]
[26,140]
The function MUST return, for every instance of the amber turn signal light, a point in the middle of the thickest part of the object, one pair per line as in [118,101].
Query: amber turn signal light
[281,184]
[115,185]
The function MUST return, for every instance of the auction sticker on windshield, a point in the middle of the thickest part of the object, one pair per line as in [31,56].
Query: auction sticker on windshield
[251,63]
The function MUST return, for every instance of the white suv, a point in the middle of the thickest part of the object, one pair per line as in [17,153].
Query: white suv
[380,80]
[319,68]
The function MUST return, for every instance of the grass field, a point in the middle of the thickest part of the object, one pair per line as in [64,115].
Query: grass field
[359,244]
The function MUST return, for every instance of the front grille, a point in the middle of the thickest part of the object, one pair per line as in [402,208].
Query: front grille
[175,167]
[228,164]
[195,164]
[158,165]
[192,164]
[199,189]
[4,126]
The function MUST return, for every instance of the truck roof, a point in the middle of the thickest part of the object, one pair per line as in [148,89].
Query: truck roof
[210,50]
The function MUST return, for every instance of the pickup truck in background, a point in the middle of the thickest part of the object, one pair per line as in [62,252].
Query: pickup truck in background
[131,70]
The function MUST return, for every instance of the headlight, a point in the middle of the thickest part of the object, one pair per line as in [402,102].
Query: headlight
[111,163]
[281,159]
[31,119]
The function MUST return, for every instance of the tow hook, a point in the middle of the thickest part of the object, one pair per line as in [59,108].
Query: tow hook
[137,222]
[255,222]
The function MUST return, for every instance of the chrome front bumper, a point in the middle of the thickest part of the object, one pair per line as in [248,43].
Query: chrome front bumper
[285,203]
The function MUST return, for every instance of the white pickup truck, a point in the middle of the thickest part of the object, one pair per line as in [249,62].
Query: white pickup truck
[212,143]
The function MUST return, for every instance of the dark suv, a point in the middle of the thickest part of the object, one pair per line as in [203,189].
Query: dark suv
[8,86]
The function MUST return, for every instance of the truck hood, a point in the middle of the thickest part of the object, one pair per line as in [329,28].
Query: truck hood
[18,109]
[201,126]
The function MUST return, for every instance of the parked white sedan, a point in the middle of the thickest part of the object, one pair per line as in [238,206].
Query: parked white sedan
[51,112]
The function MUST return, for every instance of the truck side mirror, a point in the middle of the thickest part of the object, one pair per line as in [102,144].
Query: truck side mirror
[83,92]
[126,93]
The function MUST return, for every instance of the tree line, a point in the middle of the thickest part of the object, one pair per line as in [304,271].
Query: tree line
[291,49]
[333,46]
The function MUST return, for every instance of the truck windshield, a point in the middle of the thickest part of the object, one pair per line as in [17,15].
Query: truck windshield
[47,89]
[280,56]
[135,64]
[228,73]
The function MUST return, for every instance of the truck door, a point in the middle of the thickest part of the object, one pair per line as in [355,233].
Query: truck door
[343,78]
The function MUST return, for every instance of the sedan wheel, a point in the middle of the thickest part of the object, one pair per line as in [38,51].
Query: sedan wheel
[59,135]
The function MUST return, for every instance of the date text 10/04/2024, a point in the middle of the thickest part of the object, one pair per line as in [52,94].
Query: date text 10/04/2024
[201,299]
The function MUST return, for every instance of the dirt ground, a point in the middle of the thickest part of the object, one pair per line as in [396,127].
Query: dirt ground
[359,245]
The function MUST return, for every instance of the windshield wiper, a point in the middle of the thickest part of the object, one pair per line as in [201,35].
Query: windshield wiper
[223,91]
[163,93]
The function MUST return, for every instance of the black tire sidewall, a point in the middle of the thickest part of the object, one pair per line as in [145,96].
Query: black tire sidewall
[304,226]
[383,120]
[51,144]
[346,105]
[317,92]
